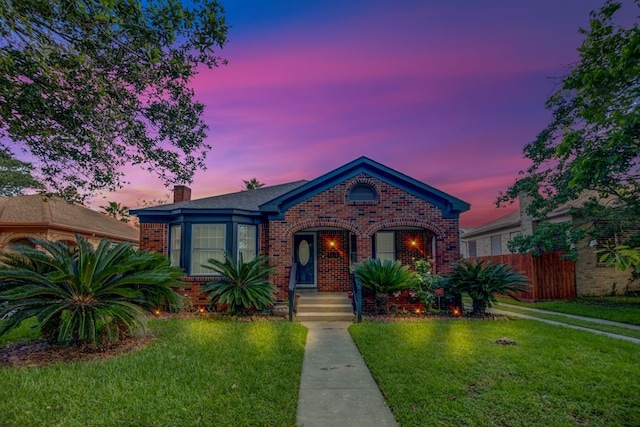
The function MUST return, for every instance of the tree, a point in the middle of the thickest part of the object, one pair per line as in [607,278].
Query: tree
[81,294]
[15,176]
[252,184]
[117,211]
[592,144]
[90,86]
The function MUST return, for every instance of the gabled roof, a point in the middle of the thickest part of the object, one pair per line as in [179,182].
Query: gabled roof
[450,206]
[561,213]
[248,200]
[55,212]
[275,200]
[507,221]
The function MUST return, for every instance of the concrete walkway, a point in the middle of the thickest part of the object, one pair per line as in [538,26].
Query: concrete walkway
[566,325]
[336,387]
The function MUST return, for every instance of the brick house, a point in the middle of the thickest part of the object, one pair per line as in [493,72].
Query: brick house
[55,219]
[591,277]
[358,211]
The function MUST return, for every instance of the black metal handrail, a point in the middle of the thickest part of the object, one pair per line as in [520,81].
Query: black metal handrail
[292,290]
[356,302]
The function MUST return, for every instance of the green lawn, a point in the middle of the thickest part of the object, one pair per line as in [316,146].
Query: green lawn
[617,309]
[633,333]
[196,373]
[25,332]
[451,373]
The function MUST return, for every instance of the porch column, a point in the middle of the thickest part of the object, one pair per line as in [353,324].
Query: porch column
[364,247]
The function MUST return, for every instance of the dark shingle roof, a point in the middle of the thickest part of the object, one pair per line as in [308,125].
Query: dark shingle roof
[249,200]
[55,212]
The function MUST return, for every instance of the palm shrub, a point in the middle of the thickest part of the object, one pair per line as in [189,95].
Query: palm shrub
[242,285]
[81,294]
[385,277]
[481,282]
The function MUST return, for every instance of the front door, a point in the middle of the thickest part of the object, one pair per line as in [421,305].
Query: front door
[305,258]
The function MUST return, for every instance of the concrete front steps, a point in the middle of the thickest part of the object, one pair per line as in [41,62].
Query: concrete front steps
[327,306]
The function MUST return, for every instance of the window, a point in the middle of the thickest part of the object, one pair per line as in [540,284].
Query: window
[471,248]
[207,241]
[496,245]
[353,248]
[385,248]
[175,245]
[514,234]
[247,242]
[362,192]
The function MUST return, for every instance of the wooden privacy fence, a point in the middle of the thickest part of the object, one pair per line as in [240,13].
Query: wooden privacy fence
[550,276]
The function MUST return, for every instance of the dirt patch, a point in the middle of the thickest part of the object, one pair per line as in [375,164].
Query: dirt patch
[38,353]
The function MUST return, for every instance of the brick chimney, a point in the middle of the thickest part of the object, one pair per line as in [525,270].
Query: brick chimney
[181,193]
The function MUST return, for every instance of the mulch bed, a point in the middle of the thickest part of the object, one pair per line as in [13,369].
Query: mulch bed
[38,353]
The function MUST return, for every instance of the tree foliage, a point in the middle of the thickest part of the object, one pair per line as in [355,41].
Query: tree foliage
[252,184]
[549,237]
[15,176]
[592,144]
[89,86]
[117,210]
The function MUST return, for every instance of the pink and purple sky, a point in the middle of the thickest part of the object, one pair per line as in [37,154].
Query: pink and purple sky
[447,92]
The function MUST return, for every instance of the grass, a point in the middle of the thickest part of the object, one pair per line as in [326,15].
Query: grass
[25,332]
[452,373]
[196,373]
[617,309]
[633,333]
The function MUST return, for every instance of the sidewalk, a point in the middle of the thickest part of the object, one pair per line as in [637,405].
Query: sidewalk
[336,387]
[558,323]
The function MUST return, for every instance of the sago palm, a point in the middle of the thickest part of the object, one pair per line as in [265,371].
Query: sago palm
[385,277]
[242,285]
[81,294]
[481,282]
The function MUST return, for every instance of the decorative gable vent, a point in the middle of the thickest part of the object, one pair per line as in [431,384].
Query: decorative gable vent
[362,193]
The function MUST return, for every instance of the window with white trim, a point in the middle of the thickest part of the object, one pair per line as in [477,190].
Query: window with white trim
[207,241]
[175,245]
[385,246]
[247,236]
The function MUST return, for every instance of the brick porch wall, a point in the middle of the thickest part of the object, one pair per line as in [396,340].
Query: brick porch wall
[331,208]
[407,253]
[333,261]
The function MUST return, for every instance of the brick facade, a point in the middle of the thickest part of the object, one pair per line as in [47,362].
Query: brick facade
[594,278]
[154,237]
[394,209]
[344,228]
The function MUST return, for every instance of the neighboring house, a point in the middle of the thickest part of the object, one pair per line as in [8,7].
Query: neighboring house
[592,277]
[358,211]
[55,219]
